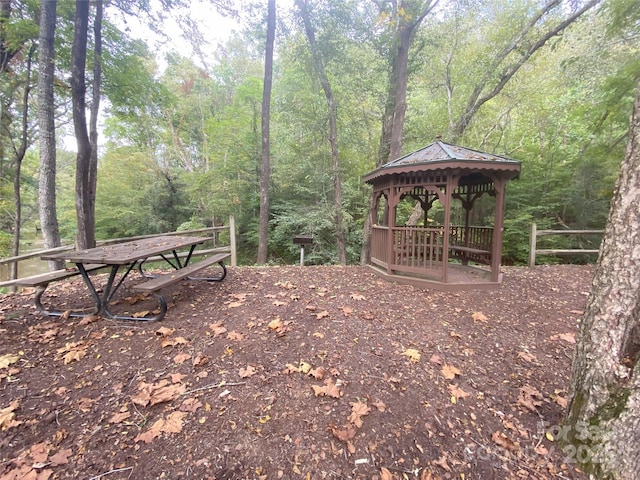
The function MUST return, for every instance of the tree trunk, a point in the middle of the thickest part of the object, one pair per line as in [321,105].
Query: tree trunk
[83,158]
[93,123]
[333,132]
[396,103]
[46,120]
[265,173]
[602,427]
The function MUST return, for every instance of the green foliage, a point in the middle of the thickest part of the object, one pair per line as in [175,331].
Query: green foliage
[184,144]
[5,244]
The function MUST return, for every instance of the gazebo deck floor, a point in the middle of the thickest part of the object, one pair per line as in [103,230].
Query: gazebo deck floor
[459,277]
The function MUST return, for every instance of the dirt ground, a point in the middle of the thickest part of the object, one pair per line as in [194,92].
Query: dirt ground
[295,373]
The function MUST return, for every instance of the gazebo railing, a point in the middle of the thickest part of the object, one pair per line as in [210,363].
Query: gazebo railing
[480,238]
[417,248]
[379,243]
[420,249]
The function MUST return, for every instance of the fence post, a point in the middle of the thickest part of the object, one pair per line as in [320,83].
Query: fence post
[232,241]
[532,245]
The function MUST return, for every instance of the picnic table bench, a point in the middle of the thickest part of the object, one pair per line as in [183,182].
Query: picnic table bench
[41,282]
[120,259]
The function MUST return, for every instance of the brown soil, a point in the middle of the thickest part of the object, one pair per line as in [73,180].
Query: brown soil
[295,372]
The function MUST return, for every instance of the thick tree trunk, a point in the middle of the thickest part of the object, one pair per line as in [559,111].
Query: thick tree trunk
[396,102]
[333,132]
[265,173]
[46,121]
[83,158]
[603,421]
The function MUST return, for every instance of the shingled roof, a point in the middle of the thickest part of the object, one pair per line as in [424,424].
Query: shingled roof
[440,155]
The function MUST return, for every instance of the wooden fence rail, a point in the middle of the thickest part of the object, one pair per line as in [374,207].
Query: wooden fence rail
[535,233]
[209,230]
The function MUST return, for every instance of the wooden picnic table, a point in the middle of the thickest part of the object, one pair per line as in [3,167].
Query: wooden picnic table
[121,259]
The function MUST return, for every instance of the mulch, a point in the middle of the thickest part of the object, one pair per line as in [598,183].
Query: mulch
[295,373]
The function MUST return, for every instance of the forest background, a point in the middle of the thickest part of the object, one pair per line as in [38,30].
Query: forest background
[180,145]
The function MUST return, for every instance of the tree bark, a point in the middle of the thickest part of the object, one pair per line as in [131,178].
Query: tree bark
[85,237]
[333,132]
[46,121]
[265,173]
[396,103]
[93,123]
[603,419]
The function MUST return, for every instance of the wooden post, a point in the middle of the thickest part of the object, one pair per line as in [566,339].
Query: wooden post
[232,241]
[532,245]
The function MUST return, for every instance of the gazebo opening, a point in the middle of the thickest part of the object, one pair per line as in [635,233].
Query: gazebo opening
[438,216]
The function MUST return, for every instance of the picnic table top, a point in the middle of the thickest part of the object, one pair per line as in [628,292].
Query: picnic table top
[127,252]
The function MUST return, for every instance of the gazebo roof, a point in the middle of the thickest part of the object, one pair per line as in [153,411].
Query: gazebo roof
[440,155]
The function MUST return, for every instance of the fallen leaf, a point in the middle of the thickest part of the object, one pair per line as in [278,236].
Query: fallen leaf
[321,315]
[152,394]
[172,424]
[61,457]
[317,373]
[276,324]
[457,393]
[165,332]
[7,416]
[200,360]
[413,354]
[329,389]
[479,317]
[567,337]
[73,351]
[217,329]
[442,463]
[502,440]
[233,335]
[344,434]
[435,358]
[172,342]
[346,311]
[235,304]
[247,372]
[358,410]
[190,405]
[562,401]
[527,356]
[450,372]
[385,474]
[181,358]
[119,417]
[529,398]
[8,359]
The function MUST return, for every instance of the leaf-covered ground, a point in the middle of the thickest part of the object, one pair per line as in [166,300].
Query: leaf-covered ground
[295,372]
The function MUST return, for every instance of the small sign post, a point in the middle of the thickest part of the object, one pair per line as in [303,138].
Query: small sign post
[302,240]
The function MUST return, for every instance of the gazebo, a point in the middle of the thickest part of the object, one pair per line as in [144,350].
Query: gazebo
[438,217]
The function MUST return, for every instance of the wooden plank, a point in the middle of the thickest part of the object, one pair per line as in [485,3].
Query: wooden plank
[564,252]
[177,275]
[470,250]
[45,278]
[569,232]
